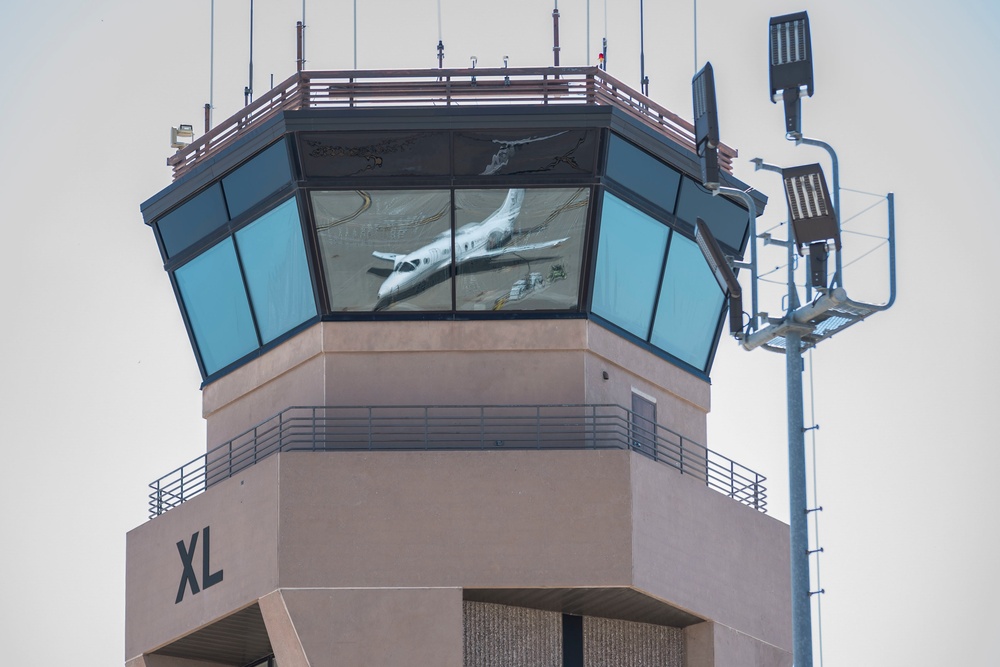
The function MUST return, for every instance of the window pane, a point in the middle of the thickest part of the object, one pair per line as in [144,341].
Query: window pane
[385,249]
[505,152]
[642,173]
[727,220]
[277,273]
[690,305]
[253,182]
[519,249]
[193,220]
[629,260]
[216,306]
[374,154]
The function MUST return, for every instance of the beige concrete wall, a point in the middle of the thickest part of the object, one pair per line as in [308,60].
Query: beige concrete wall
[708,554]
[714,645]
[242,513]
[451,520]
[320,627]
[479,519]
[462,363]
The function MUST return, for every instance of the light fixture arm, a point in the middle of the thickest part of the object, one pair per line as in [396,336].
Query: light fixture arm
[752,210]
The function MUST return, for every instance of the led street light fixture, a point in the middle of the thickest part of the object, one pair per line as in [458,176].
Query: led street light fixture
[790,70]
[723,273]
[706,125]
[809,206]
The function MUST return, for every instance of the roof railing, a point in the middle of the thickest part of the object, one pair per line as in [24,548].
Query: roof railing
[456,428]
[525,86]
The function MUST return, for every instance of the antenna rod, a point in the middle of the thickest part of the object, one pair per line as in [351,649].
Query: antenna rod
[555,34]
[696,36]
[355,34]
[211,69]
[299,46]
[440,40]
[248,91]
[642,54]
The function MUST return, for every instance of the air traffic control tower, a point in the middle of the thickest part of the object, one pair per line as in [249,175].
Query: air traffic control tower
[455,336]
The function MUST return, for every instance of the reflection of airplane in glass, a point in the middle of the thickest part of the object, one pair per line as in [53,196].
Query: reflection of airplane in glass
[476,240]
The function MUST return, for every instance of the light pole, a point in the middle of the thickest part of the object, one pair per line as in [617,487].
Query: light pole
[814,222]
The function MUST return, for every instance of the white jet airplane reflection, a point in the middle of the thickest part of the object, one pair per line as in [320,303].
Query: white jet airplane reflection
[475,240]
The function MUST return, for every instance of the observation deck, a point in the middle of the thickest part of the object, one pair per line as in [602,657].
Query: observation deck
[379,89]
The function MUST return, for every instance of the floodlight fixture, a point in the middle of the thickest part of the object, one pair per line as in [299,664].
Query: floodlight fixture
[181,136]
[723,272]
[810,210]
[706,125]
[790,70]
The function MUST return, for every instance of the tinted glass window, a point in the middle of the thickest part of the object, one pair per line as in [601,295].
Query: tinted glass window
[519,249]
[277,273]
[690,305]
[216,304]
[727,220]
[373,243]
[374,154]
[629,261]
[254,181]
[642,173]
[505,152]
[193,220]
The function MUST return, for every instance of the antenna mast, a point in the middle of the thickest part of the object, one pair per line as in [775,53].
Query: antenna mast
[644,80]
[248,91]
[555,34]
[211,70]
[440,46]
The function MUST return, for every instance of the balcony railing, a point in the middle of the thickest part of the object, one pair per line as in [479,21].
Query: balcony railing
[532,86]
[450,428]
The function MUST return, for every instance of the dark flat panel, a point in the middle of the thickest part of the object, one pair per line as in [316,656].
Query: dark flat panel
[374,154]
[572,636]
[515,152]
[193,220]
[642,173]
[727,220]
[264,175]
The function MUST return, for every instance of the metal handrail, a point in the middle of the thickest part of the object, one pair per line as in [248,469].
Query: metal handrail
[455,428]
[334,89]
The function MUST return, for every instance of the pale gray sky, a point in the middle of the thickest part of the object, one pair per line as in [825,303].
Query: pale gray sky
[99,389]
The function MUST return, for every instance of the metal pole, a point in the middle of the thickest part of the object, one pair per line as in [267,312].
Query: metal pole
[555,34]
[249,91]
[299,47]
[643,81]
[799,546]
[211,70]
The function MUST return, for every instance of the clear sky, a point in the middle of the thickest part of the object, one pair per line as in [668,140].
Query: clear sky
[99,390]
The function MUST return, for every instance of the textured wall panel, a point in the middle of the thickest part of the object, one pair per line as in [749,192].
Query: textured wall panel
[613,643]
[498,635]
